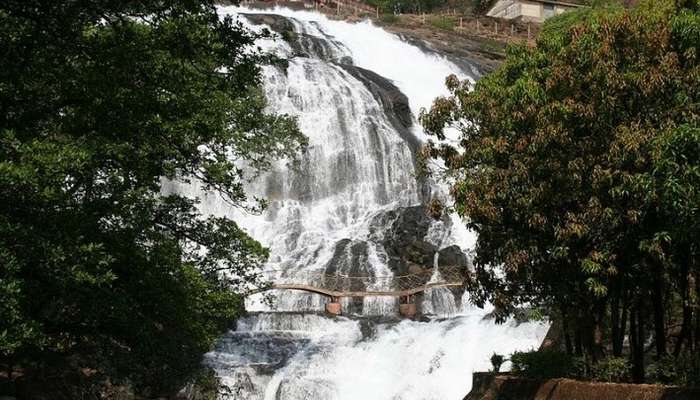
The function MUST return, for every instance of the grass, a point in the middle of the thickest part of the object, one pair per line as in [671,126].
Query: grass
[492,46]
[441,22]
[389,18]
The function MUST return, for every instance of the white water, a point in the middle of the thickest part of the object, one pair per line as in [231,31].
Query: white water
[358,166]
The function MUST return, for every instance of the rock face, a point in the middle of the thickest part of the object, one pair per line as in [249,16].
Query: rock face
[401,238]
[452,255]
[403,233]
[394,102]
[302,44]
[277,23]
[312,389]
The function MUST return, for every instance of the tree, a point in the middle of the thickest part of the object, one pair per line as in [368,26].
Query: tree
[564,166]
[99,101]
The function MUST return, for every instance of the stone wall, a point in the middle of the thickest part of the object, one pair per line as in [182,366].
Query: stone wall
[488,386]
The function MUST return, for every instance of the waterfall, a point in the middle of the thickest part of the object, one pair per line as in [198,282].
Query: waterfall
[352,207]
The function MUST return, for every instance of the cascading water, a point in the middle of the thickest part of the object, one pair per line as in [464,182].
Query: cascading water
[353,208]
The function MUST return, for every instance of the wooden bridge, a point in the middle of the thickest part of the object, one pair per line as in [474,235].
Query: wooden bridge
[338,286]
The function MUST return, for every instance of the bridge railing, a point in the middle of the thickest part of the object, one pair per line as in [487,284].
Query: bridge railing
[340,283]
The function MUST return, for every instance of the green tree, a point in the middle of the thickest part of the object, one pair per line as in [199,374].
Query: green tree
[99,101]
[572,165]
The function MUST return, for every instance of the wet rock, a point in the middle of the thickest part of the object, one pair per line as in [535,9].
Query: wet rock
[420,252]
[350,258]
[452,256]
[242,386]
[368,329]
[302,44]
[306,389]
[277,23]
[311,46]
[267,350]
[394,102]
[403,233]
[416,269]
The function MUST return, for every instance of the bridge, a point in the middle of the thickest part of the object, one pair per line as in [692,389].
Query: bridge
[337,286]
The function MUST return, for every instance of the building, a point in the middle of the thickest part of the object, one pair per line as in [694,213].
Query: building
[529,10]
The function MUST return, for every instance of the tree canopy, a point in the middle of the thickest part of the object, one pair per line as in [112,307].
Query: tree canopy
[101,100]
[576,163]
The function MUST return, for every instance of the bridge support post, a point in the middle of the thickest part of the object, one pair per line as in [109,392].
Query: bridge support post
[333,308]
[407,308]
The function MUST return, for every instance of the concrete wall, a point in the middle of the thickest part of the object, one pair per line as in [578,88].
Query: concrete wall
[531,11]
[488,386]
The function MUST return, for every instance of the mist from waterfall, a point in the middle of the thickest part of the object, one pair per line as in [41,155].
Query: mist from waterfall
[331,214]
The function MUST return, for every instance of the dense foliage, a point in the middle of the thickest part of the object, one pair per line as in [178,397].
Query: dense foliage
[550,363]
[543,364]
[100,100]
[408,6]
[577,164]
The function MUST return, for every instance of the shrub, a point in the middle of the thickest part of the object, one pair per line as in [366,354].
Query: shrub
[389,18]
[496,361]
[664,370]
[683,370]
[542,364]
[481,5]
[611,369]
[441,23]
[289,36]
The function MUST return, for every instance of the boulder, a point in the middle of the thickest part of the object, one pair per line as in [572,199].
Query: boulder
[452,256]
[277,23]
[402,233]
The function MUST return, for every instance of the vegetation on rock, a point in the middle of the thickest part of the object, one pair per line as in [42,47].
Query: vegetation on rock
[102,273]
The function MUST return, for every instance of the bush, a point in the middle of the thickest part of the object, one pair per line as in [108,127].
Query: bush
[683,370]
[442,23]
[496,361]
[611,369]
[389,18]
[542,364]
[481,5]
[665,370]
[289,36]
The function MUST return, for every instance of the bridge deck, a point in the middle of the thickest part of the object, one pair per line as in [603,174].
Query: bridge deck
[390,293]
[334,285]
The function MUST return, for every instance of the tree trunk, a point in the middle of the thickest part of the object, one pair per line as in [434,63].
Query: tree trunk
[615,324]
[686,326]
[597,349]
[697,314]
[587,327]
[637,341]
[697,330]
[623,322]
[578,345]
[657,302]
[634,343]
[565,331]
[567,341]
